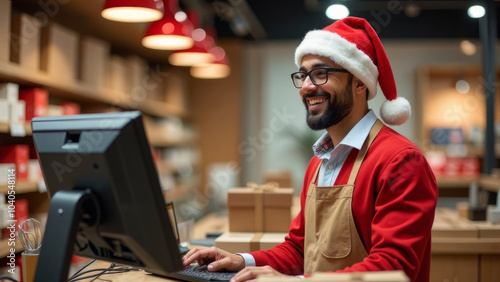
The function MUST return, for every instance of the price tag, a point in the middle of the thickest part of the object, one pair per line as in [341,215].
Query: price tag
[17,130]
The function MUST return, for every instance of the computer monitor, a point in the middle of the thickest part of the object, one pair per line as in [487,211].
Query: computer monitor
[106,199]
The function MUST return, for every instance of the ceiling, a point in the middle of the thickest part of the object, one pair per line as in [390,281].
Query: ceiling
[291,19]
[258,20]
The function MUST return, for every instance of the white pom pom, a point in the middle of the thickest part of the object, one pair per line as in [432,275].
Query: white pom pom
[395,112]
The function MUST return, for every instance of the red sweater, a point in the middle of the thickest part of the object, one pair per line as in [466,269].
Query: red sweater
[393,205]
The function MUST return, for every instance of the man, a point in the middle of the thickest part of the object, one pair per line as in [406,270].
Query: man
[369,196]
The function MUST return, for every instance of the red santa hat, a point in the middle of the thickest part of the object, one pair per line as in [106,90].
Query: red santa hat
[353,44]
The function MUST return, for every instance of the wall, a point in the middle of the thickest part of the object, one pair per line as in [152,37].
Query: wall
[273,106]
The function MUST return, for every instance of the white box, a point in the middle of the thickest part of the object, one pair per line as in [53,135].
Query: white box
[4,110]
[9,91]
[59,53]
[34,170]
[4,172]
[94,55]
[25,41]
[5,8]
[17,111]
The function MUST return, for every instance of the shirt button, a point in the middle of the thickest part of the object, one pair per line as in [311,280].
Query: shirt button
[330,166]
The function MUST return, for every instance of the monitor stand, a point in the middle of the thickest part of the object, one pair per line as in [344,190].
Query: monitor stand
[69,211]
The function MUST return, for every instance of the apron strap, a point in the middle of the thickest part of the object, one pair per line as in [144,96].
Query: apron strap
[361,154]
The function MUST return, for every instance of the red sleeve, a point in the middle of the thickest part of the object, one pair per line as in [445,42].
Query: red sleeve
[288,257]
[404,208]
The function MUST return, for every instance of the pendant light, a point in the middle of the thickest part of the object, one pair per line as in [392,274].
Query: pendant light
[168,33]
[217,69]
[133,10]
[197,54]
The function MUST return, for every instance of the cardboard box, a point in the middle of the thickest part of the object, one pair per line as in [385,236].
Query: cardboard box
[257,210]
[25,41]
[5,10]
[17,154]
[36,100]
[284,178]
[17,111]
[136,67]
[243,242]
[9,92]
[94,56]
[116,78]
[59,53]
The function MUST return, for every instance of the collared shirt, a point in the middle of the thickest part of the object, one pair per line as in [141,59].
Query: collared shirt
[333,158]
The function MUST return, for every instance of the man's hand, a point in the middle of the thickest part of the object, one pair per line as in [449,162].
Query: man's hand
[215,258]
[251,272]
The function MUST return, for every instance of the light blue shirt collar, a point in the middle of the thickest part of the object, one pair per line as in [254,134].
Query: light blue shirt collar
[354,139]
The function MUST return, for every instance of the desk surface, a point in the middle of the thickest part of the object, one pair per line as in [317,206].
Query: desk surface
[451,234]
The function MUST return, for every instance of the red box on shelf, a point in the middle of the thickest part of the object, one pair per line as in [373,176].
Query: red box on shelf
[471,167]
[70,108]
[36,102]
[19,155]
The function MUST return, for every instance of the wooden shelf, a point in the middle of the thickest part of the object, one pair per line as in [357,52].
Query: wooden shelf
[5,128]
[75,90]
[456,182]
[490,183]
[21,187]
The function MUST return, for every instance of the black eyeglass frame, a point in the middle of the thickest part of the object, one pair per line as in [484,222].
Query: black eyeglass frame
[308,73]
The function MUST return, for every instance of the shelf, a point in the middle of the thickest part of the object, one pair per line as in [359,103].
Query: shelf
[490,183]
[21,187]
[5,127]
[455,182]
[5,248]
[75,90]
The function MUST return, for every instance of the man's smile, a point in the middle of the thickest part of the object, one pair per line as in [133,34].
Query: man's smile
[314,103]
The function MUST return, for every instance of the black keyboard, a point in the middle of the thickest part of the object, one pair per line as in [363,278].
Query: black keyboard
[200,273]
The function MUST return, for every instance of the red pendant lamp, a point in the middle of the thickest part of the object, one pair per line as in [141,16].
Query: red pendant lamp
[219,68]
[168,33]
[133,10]
[199,52]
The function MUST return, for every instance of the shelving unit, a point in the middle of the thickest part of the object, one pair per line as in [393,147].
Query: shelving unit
[439,105]
[165,102]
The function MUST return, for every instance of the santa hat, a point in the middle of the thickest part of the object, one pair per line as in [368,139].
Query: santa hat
[353,44]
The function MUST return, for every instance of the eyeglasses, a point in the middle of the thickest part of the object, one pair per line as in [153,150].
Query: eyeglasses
[318,76]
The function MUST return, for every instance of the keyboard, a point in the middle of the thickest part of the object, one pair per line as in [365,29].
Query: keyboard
[196,273]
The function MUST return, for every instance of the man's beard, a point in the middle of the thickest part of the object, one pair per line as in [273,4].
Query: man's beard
[335,111]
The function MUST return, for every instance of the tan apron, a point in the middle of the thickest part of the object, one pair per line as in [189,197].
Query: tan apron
[332,241]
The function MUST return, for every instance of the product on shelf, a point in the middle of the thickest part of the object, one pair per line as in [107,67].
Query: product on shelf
[17,154]
[5,7]
[36,102]
[9,91]
[25,41]
[69,108]
[59,52]
[5,171]
[94,54]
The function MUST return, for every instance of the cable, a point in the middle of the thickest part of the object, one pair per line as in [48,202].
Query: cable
[112,269]
[79,270]
[5,277]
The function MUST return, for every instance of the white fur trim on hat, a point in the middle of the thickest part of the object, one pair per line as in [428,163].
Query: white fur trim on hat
[395,112]
[342,52]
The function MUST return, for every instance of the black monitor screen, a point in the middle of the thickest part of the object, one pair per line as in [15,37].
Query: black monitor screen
[108,157]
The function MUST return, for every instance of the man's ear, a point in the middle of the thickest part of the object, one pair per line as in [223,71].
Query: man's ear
[359,86]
